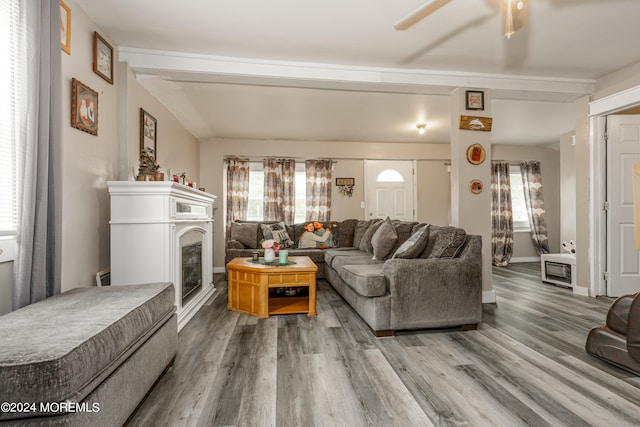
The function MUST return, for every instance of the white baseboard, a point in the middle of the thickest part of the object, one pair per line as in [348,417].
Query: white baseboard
[219,270]
[488,297]
[525,259]
[582,291]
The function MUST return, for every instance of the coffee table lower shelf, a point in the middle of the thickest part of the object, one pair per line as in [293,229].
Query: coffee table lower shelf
[289,305]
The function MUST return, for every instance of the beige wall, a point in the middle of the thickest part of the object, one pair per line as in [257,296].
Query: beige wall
[567,188]
[89,161]
[550,164]
[583,185]
[617,82]
[433,186]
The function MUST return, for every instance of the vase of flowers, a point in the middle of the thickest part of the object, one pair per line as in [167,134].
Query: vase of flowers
[270,247]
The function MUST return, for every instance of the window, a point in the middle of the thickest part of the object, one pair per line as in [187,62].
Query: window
[390,175]
[255,208]
[520,216]
[11,87]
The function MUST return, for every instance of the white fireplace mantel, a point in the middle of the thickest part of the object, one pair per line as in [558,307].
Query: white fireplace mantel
[150,224]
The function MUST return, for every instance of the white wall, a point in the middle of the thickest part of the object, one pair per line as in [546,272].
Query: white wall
[433,202]
[567,188]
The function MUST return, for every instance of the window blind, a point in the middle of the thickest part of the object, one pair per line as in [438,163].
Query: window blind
[12,87]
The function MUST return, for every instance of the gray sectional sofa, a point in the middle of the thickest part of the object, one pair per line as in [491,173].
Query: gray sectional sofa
[85,357]
[398,275]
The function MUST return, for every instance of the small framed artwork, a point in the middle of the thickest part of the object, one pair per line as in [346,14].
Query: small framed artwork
[148,133]
[65,27]
[476,154]
[102,57]
[84,107]
[474,100]
[476,123]
[345,181]
[475,186]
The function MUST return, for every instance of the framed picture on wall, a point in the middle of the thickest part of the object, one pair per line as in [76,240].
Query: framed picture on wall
[102,57]
[84,107]
[474,100]
[65,28]
[148,133]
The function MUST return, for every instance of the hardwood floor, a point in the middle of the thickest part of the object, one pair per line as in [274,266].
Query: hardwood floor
[525,365]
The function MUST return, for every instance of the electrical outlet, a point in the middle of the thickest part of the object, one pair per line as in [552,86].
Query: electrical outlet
[361,205]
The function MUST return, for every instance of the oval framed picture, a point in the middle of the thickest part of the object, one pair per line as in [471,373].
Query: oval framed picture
[475,154]
[475,186]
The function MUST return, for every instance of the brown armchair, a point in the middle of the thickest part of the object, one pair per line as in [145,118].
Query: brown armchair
[618,341]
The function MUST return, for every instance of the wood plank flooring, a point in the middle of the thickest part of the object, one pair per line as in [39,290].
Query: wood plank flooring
[525,365]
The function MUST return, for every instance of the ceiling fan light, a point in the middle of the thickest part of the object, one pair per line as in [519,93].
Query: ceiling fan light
[508,24]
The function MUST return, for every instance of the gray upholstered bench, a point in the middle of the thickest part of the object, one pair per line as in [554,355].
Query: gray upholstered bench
[87,356]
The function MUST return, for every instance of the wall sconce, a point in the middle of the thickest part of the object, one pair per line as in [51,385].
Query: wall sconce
[421,128]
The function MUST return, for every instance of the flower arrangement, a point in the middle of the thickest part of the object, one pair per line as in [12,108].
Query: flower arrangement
[270,244]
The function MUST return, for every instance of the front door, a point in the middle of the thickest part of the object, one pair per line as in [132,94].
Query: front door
[623,150]
[389,189]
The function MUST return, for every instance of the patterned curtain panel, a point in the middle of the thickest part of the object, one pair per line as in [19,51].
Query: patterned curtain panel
[318,190]
[532,186]
[279,190]
[237,191]
[501,214]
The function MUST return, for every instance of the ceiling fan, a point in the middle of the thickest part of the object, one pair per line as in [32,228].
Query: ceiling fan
[433,5]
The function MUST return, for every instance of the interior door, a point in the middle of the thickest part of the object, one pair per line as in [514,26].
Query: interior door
[623,150]
[389,189]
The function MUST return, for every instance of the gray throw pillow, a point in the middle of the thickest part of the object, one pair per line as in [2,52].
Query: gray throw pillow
[277,231]
[365,241]
[361,227]
[444,242]
[245,233]
[414,245]
[384,239]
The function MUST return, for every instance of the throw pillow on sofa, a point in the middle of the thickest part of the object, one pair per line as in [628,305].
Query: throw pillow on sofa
[365,242]
[361,228]
[384,239]
[444,242]
[414,245]
[245,233]
[277,231]
[315,234]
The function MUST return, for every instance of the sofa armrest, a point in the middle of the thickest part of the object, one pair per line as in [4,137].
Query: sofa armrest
[436,292]
[234,244]
[618,314]
[633,330]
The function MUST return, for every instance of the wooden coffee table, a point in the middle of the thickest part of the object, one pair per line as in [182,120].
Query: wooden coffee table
[252,287]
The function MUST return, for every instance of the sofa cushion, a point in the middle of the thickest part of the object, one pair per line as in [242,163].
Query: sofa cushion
[277,231]
[384,239]
[444,242]
[318,237]
[245,233]
[365,242]
[364,259]
[331,253]
[345,233]
[414,245]
[404,229]
[367,280]
[360,228]
[60,348]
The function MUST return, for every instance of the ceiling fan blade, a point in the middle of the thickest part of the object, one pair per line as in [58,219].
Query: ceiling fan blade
[419,14]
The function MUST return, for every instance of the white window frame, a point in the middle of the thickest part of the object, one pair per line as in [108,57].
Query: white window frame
[520,226]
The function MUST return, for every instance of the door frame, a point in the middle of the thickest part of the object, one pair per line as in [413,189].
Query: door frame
[598,112]
[414,184]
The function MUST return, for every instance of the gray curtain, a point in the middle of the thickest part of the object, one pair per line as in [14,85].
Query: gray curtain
[532,187]
[279,190]
[38,263]
[237,191]
[501,214]
[318,190]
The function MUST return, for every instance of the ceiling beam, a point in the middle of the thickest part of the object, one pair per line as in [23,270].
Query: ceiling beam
[217,69]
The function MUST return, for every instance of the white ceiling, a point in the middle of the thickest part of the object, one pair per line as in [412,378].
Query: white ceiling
[337,70]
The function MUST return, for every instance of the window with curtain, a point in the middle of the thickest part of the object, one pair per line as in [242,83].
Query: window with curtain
[255,209]
[518,206]
[12,87]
